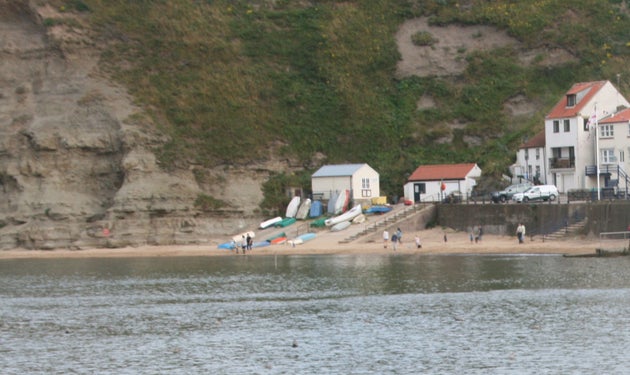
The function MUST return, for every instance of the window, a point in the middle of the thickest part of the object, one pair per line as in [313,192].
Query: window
[567,126]
[606,131]
[537,154]
[621,156]
[538,171]
[365,183]
[556,126]
[608,156]
[571,100]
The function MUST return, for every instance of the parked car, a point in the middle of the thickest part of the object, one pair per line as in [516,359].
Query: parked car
[507,193]
[538,192]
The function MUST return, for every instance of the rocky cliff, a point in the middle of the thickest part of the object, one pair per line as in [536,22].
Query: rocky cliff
[76,162]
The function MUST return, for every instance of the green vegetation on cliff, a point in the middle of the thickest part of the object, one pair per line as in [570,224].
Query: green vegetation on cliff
[236,81]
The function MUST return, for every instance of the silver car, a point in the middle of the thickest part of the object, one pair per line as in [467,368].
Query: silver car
[507,193]
[539,192]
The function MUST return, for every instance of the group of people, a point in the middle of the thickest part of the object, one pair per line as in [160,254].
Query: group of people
[397,239]
[246,244]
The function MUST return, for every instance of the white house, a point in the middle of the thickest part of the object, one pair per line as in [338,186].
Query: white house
[361,179]
[531,160]
[434,182]
[613,145]
[570,142]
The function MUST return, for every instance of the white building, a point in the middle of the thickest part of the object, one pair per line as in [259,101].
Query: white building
[570,143]
[531,161]
[434,182]
[362,181]
[613,147]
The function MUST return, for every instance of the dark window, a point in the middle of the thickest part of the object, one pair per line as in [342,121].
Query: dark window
[571,100]
[556,126]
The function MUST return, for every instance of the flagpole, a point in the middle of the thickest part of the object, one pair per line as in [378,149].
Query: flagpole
[597,151]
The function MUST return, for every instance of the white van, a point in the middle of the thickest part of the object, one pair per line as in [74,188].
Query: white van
[539,192]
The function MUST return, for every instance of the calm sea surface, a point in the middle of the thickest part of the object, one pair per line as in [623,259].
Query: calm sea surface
[329,314]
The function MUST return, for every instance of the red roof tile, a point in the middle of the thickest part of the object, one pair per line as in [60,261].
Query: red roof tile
[441,172]
[536,141]
[560,110]
[622,116]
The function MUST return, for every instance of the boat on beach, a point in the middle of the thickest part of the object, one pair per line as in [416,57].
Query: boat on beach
[285,222]
[341,204]
[301,239]
[378,209]
[269,223]
[347,216]
[340,226]
[316,209]
[304,209]
[331,203]
[292,207]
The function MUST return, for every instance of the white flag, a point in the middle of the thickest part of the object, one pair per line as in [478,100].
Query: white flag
[592,121]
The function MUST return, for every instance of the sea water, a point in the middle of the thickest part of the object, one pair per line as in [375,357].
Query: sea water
[316,314]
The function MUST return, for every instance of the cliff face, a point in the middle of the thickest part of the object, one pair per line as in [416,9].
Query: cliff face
[76,167]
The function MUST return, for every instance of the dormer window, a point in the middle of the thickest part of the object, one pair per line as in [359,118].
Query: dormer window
[571,99]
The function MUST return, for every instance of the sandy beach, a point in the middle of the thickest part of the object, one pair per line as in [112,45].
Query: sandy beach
[432,241]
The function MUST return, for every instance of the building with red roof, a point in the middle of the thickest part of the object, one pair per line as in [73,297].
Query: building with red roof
[434,182]
[570,135]
[531,160]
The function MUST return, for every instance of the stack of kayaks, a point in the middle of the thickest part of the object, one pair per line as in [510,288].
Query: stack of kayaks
[274,238]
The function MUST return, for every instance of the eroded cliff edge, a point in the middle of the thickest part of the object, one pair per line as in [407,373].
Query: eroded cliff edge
[76,163]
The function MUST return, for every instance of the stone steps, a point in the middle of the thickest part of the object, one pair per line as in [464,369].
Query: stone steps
[390,219]
[562,233]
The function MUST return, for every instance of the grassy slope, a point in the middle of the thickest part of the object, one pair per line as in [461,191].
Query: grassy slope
[228,79]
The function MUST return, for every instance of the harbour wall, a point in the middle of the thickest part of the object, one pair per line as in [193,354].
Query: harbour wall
[539,219]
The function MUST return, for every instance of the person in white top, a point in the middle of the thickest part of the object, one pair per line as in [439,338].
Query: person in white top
[520,233]
[385,238]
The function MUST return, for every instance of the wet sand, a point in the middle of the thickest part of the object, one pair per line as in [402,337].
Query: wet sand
[432,241]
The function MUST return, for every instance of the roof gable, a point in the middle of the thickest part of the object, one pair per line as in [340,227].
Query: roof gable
[536,141]
[622,116]
[576,99]
[338,170]
[442,172]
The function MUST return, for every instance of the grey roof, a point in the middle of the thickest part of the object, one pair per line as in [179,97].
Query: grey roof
[338,170]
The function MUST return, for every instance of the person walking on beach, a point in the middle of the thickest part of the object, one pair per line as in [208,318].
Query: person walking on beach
[479,234]
[394,241]
[399,235]
[385,238]
[418,244]
[520,233]
[249,242]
